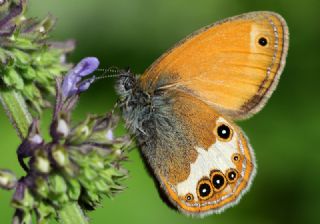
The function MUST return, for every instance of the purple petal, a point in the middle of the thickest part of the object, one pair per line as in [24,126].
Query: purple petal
[19,193]
[86,84]
[71,84]
[86,66]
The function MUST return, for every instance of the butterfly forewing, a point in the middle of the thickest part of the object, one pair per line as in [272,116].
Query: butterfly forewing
[233,65]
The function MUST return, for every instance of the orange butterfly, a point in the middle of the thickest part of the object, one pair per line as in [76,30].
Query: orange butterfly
[181,110]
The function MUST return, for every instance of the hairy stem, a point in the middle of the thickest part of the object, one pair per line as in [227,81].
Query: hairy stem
[17,111]
[71,213]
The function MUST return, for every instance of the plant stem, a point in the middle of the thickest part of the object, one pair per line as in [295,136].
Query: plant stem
[18,113]
[72,214]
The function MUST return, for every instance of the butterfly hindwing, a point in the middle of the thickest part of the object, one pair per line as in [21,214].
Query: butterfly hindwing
[213,153]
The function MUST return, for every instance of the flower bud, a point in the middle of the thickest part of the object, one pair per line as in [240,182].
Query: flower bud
[41,162]
[7,179]
[60,155]
[62,128]
[80,134]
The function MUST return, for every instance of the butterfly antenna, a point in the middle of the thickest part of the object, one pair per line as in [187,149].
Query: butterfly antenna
[115,106]
[108,72]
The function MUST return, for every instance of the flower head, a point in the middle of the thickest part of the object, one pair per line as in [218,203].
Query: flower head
[81,163]
[29,63]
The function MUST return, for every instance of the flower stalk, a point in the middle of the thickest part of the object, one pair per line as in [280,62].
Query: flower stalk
[16,110]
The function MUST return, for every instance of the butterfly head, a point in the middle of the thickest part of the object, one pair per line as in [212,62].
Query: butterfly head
[134,102]
[126,84]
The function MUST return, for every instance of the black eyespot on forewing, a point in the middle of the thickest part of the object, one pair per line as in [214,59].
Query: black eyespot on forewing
[263,41]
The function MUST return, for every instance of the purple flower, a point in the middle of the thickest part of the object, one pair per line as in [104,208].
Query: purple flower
[72,82]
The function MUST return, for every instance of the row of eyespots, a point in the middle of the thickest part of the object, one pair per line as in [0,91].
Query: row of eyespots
[218,181]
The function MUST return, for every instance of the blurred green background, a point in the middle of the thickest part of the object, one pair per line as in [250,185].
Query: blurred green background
[285,134]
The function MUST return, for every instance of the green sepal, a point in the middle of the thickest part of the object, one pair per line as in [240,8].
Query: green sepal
[22,59]
[12,79]
[57,184]
[42,187]
[60,156]
[27,202]
[44,212]
[74,189]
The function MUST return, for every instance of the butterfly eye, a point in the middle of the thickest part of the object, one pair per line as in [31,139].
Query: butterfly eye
[128,84]
[218,180]
[204,189]
[232,175]
[189,197]
[263,41]
[224,132]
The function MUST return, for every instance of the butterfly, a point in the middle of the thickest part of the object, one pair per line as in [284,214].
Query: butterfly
[182,109]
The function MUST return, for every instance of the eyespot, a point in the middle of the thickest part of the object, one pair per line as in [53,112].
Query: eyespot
[218,180]
[224,132]
[189,197]
[263,41]
[236,157]
[204,189]
[232,175]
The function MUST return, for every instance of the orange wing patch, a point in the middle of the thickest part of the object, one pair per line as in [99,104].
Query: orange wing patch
[233,65]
